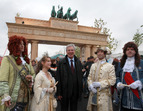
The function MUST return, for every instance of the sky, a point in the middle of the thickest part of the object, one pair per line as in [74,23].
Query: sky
[123,18]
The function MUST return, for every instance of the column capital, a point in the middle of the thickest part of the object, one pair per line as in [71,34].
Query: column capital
[34,41]
[94,46]
[88,46]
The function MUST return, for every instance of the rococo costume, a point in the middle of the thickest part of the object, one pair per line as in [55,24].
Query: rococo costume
[103,73]
[13,84]
[131,98]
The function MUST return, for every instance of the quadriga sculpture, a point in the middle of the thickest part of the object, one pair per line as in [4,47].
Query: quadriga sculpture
[60,13]
[53,12]
[67,15]
[74,15]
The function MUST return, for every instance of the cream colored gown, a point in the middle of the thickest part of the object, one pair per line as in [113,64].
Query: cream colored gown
[42,101]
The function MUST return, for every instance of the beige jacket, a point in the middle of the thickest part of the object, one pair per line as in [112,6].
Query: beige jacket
[106,76]
[9,78]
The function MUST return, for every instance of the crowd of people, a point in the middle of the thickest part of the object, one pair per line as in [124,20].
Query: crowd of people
[37,86]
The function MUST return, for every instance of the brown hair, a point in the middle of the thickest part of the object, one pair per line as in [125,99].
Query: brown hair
[13,47]
[105,52]
[53,60]
[124,57]
[33,61]
[40,66]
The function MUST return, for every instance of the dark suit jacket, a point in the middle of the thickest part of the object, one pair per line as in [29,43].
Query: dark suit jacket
[65,78]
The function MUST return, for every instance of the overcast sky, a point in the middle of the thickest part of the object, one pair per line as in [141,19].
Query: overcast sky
[123,17]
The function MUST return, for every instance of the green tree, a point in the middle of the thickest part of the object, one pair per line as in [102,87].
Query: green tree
[77,51]
[138,37]
[112,42]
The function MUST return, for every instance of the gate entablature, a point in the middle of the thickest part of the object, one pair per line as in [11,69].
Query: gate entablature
[57,32]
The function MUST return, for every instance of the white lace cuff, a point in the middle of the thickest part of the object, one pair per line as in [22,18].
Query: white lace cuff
[5,99]
[43,92]
[90,87]
[139,84]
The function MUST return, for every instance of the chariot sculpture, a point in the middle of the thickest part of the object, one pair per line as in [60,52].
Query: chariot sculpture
[67,15]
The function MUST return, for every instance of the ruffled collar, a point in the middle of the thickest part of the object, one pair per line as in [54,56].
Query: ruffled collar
[129,64]
[102,61]
[23,61]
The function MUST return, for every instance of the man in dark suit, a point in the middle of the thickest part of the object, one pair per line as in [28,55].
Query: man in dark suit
[69,77]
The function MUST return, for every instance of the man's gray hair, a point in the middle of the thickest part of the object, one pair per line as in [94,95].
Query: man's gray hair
[70,45]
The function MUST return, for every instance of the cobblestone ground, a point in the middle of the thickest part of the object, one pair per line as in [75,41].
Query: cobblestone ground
[81,105]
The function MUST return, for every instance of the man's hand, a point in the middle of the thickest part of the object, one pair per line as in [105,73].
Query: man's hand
[7,103]
[83,70]
[120,86]
[96,84]
[28,77]
[59,97]
[94,90]
[87,67]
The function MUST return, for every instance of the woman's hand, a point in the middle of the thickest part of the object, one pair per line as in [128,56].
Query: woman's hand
[7,103]
[50,90]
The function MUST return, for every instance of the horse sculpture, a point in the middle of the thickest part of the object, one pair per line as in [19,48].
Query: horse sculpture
[74,15]
[67,15]
[53,12]
[60,13]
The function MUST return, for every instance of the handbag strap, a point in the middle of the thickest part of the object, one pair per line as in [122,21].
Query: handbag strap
[13,64]
[15,76]
[19,71]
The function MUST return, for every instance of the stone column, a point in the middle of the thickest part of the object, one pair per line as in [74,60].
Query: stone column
[93,50]
[87,51]
[82,53]
[34,49]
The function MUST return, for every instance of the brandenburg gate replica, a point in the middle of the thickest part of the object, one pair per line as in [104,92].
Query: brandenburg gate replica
[57,31]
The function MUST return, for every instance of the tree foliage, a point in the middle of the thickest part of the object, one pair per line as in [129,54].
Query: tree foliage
[112,42]
[138,37]
[77,51]
[99,23]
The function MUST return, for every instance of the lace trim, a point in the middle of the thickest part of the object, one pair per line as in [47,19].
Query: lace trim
[5,99]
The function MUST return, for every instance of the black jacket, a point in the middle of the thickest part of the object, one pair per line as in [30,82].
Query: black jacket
[65,78]
[88,69]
